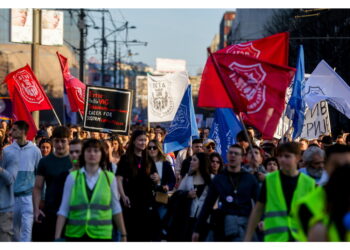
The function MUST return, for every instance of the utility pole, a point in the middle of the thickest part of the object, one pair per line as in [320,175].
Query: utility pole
[82,26]
[35,53]
[103,50]
[120,71]
[115,62]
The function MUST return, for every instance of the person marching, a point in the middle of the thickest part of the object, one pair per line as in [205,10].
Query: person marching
[90,201]
[279,195]
[137,181]
[315,202]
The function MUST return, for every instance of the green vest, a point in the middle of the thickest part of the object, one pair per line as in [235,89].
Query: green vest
[277,222]
[92,217]
[315,202]
[333,234]
[332,231]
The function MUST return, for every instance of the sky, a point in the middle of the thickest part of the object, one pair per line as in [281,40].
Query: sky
[169,33]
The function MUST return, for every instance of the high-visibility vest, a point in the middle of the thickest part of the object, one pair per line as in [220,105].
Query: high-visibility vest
[333,234]
[277,222]
[315,202]
[332,231]
[92,217]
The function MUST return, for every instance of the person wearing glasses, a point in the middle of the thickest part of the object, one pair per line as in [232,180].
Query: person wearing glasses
[236,191]
[209,146]
[165,176]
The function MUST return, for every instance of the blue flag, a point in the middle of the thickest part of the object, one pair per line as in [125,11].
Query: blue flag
[296,106]
[184,126]
[69,117]
[224,130]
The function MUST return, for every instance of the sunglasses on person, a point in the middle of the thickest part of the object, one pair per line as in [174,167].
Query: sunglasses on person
[152,148]
[210,146]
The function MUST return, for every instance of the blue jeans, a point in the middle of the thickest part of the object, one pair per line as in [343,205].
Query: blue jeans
[23,218]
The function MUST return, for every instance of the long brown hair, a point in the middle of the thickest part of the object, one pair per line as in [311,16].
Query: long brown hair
[161,155]
[146,161]
[203,167]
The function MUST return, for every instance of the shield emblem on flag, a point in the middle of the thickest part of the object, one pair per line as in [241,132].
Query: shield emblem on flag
[28,87]
[246,49]
[162,101]
[248,79]
[181,120]
[80,94]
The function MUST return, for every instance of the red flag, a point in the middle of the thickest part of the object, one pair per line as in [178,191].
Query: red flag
[260,85]
[20,112]
[273,49]
[75,89]
[29,89]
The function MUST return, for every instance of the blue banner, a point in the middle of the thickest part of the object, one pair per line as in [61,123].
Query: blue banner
[184,126]
[224,130]
[296,106]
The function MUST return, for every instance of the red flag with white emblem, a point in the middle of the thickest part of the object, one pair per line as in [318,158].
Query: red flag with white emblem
[29,89]
[75,89]
[20,112]
[258,87]
[273,49]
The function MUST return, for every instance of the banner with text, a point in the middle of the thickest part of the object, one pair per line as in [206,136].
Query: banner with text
[107,109]
[316,122]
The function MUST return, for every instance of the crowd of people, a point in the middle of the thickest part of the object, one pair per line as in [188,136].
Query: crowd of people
[70,184]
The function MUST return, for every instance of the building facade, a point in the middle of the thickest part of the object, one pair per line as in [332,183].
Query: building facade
[17,55]
[250,24]
[225,28]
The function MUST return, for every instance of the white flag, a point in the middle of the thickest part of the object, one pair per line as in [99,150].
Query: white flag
[325,84]
[164,95]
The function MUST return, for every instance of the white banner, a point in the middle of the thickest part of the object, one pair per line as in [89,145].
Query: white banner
[325,84]
[164,95]
[316,122]
[21,25]
[51,27]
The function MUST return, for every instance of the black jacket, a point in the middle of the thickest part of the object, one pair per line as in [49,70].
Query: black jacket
[168,176]
[239,204]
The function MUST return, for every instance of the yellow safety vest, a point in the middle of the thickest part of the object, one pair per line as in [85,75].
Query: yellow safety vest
[92,217]
[315,202]
[277,222]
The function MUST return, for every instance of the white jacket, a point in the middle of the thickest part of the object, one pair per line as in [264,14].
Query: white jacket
[197,203]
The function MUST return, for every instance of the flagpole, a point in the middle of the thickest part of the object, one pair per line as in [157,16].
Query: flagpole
[54,112]
[247,135]
[81,116]
[237,105]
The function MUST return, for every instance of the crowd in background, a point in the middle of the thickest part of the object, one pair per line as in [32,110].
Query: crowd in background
[76,185]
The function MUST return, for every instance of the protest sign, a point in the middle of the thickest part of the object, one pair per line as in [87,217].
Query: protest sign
[316,122]
[107,109]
